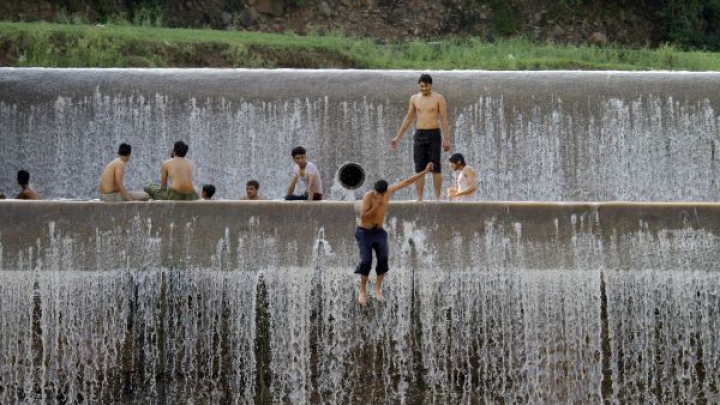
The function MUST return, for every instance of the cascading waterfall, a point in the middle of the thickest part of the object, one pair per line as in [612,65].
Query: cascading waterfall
[244,303]
[557,136]
[474,317]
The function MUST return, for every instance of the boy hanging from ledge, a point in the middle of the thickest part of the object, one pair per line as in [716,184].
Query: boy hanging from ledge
[370,234]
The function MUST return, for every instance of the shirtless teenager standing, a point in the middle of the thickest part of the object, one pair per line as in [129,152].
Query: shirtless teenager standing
[112,179]
[178,172]
[370,234]
[428,107]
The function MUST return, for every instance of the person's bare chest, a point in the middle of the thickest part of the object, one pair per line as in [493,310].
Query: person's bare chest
[380,215]
[426,106]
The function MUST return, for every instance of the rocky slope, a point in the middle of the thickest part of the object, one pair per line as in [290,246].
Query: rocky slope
[564,21]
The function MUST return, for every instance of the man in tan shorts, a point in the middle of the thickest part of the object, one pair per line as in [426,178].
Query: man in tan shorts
[112,179]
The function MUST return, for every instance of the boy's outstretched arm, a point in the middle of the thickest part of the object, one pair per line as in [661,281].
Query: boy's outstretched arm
[410,180]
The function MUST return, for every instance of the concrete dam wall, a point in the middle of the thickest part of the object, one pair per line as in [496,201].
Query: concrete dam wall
[231,302]
[244,303]
[548,136]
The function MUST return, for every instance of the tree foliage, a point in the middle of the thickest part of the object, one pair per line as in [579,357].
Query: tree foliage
[692,23]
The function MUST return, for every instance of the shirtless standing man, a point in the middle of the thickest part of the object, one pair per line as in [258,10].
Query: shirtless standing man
[370,234]
[428,107]
[28,192]
[178,171]
[112,179]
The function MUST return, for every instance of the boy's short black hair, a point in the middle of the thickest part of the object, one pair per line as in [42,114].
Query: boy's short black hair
[209,190]
[23,177]
[458,158]
[381,186]
[124,149]
[253,183]
[425,78]
[298,150]
[180,149]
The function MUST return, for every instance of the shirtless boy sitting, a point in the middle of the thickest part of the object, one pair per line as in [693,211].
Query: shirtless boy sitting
[112,179]
[370,234]
[252,191]
[178,172]
[28,192]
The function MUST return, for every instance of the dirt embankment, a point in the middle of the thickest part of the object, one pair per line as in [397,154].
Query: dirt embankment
[568,21]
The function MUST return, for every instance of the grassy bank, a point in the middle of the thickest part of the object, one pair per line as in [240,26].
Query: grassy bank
[56,45]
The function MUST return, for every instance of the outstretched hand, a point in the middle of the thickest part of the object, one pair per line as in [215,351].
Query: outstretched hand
[429,167]
[394,143]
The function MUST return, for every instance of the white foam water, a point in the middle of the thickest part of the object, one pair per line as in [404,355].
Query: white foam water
[476,324]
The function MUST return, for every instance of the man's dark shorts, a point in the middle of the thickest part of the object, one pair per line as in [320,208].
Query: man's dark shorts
[303,197]
[427,147]
[369,240]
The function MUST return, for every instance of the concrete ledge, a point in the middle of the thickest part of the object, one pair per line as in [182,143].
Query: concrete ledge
[193,233]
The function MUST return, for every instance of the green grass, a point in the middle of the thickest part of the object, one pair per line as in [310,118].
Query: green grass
[69,45]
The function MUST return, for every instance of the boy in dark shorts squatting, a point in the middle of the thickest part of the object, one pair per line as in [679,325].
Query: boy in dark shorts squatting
[370,234]
[430,113]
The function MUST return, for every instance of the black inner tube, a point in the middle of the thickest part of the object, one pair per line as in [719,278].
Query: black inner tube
[351,175]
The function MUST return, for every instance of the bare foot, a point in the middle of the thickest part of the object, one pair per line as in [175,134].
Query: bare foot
[362,299]
[379,296]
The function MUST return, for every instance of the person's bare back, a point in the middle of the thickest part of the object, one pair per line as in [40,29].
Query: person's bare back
[28,193]
[112,176]
[112,179]
[178,171]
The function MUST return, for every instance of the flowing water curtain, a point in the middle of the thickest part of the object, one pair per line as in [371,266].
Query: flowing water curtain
[531,136]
